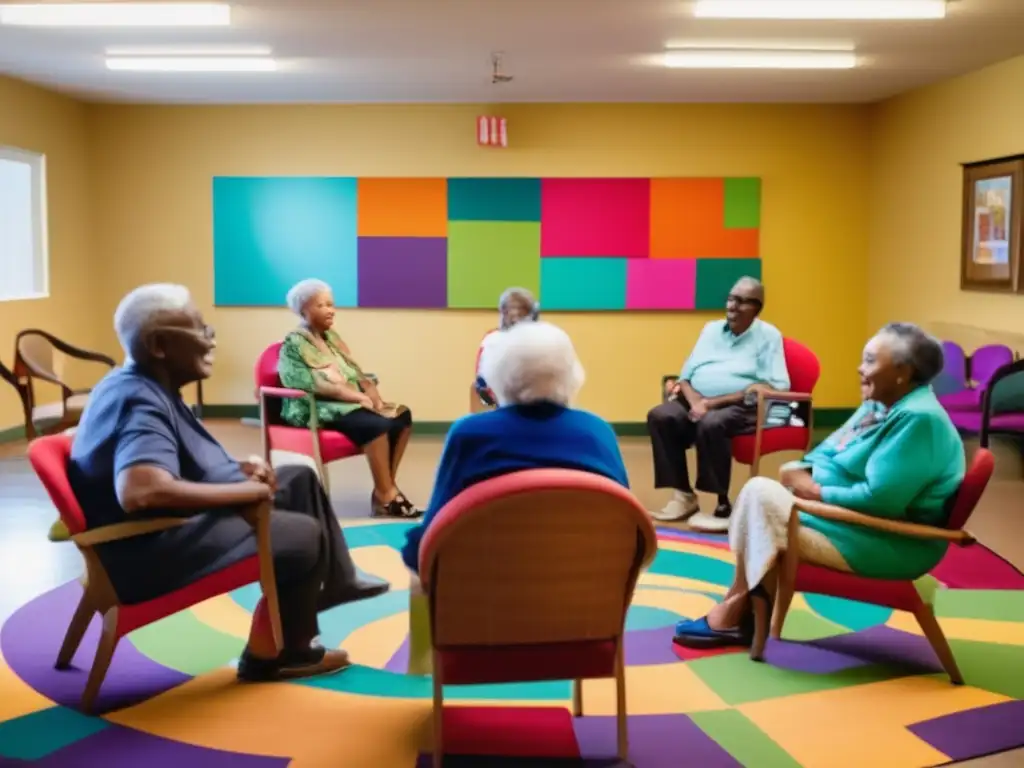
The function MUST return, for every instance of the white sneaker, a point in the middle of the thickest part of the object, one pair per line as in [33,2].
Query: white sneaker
[681,506]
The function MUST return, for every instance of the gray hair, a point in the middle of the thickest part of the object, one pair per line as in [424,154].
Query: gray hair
[137,310]
[533,362]
[303,291]
[515,293]
[912,347]
[755,286]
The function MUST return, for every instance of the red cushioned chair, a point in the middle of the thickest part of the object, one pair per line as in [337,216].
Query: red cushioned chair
[899,595]
[49,458]
[528,577]
[324,446]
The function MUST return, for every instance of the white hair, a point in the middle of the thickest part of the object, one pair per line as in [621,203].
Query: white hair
[533,362]
[515,293]
[137,309]
[303,291]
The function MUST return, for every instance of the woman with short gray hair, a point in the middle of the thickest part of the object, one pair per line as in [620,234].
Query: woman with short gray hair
[898,457]
[514,306]
[316,360]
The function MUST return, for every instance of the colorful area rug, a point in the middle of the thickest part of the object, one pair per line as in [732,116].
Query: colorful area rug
[851,685]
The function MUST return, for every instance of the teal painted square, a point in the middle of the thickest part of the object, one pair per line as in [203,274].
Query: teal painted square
[494,200]
[742,203]
[33,737]
[270,233]
[582,283]
[716,277]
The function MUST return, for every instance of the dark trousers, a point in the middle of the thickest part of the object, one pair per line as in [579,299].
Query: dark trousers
[313,566]
[673,432]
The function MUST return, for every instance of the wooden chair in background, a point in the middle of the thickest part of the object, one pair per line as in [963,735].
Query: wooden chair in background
[528,577]
[39,355]
[49,458]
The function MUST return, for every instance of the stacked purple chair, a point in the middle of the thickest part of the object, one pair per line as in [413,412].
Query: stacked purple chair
[953,380]
[989,365]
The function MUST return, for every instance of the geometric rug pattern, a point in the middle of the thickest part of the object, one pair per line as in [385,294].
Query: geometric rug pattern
[850,685]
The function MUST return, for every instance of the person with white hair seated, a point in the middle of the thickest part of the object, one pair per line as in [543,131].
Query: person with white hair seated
[316,360]
[140,452]
[535,374]
[514,305]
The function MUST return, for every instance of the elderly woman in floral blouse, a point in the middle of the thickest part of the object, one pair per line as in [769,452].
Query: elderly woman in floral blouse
[315,359]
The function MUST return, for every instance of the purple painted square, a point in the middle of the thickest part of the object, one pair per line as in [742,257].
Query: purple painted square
[975,732]
[403,272]
[655,741]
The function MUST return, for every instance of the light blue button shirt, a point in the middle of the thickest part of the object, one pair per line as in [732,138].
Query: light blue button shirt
[723,363]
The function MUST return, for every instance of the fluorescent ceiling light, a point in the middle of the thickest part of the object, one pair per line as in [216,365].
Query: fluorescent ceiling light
[116,15]
[820,9]
[191,64]
[760,45]
[192,50]
[705,59]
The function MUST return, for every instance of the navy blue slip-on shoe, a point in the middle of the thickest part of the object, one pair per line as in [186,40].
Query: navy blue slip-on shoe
[697,633]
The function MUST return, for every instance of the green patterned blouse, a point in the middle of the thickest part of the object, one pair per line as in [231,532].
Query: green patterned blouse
[302,363]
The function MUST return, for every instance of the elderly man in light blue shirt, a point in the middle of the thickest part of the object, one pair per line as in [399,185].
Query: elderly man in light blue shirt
[713,400]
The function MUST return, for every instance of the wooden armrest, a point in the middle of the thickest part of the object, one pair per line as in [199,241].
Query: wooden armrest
[915,530]
[125,530]
[773,394]
[259,518]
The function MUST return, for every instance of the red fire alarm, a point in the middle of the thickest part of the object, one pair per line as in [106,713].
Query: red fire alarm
[491,131]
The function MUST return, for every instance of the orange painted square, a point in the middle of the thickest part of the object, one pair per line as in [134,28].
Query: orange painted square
[402,207]
[688,222]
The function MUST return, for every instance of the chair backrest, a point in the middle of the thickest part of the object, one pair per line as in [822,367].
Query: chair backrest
[803,366]
[975,481]
[536,556]
[953,377]
[266,375]
[49,458]
[987,360]
[34,347]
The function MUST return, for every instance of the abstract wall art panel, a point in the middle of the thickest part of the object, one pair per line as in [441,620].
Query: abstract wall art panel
[582,244]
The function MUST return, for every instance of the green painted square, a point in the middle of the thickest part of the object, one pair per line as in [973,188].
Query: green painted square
[34,736]
[742,203]
[745,742]
[494,200]
[991,667]
[486,257]
[737,680]
[582,283]
[716,277]
[992,604]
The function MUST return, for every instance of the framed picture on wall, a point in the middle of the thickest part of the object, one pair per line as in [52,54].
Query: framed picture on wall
[991,255]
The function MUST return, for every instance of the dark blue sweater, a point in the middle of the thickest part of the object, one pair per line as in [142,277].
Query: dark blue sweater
[513,438]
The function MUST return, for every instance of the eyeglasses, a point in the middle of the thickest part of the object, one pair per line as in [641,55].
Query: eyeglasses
[743,301]
[205,332]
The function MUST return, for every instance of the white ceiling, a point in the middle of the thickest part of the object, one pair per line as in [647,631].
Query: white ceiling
[557,51]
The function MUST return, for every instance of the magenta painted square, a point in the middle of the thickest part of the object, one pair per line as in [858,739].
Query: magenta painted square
[595,217]
[661,283]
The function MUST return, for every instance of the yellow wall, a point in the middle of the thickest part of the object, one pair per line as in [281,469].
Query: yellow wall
[38,120]
[153,167]
[918,142]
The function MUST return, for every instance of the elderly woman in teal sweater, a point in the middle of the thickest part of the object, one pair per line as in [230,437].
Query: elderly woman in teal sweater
[898,457]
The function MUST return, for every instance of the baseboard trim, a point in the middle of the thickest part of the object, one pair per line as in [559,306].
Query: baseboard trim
[823,417]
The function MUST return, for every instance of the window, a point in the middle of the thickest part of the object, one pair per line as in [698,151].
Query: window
[24,257]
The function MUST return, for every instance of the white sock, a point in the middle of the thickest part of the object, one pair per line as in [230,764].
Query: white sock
[682,496]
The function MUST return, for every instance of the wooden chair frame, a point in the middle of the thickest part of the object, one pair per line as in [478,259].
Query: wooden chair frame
[99,596]
[923,611]
[26,369]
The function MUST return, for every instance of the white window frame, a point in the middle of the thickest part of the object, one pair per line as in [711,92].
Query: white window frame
[41,256]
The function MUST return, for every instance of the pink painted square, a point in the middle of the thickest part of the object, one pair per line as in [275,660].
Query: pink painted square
[595,217]
[661,283]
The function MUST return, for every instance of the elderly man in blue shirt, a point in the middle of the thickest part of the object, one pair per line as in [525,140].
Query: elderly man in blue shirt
[714,400]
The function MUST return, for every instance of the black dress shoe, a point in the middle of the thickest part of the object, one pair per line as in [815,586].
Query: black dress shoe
[291,664]
[362,588]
